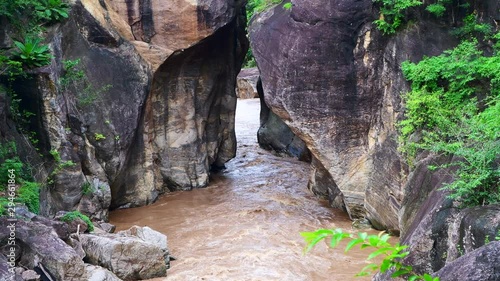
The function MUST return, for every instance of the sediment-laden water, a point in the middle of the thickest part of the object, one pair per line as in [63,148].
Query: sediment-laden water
[246,224]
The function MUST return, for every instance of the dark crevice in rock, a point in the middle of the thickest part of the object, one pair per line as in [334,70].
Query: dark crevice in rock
[147,23]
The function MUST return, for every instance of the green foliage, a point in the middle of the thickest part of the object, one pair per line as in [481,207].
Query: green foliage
[86,188]
[67,164]
[36,11]
[71,216]
[10,161]
[27,18]
[29,194]
[10,164]
[391,254]
[7,149]
[498,236]
[10,67]
[56,155]
[99,137]
[72,73]
[3,206]
[454,109]
[471,29]
[256,6]
[436,9]
[249,60]
[287,6]
[51,10]
[31,53]
[74,79]
[392,14]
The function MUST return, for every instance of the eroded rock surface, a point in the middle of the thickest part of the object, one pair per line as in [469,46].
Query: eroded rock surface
[274,134]
[130,258]
[153,111]
[134,254]
[332,77]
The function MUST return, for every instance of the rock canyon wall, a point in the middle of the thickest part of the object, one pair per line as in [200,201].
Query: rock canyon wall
[336,81]
[153,110]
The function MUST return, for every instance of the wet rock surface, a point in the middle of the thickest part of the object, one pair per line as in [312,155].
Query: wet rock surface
[246,83]
[245,225]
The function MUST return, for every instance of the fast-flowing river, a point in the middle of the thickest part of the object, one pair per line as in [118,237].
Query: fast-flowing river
[246,224]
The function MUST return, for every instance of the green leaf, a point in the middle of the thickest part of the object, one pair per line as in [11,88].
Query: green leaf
[400,273]
[413,278]
[353,243]
[385,265]
[379,252]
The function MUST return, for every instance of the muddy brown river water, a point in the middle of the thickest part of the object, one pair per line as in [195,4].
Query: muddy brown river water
[246,224]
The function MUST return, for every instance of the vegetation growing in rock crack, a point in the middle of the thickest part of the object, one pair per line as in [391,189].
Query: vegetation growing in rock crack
[76,80]
[86,188]
[31,53]
[391,254]
[28,17]
[71,216]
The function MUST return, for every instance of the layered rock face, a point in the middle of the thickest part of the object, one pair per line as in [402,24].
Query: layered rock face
[154,109]
[332,77]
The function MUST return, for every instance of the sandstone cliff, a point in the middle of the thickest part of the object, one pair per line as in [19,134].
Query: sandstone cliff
[153,111]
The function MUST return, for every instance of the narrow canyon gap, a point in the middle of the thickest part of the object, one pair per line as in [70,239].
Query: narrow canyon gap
[245,225]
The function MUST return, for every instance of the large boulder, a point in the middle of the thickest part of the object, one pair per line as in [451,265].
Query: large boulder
[128,254]
[151,236]
[335,80]
[481,264]
[246,83]
[38,246]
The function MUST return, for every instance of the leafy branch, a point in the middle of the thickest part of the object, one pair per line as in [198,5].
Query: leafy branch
[392,254]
